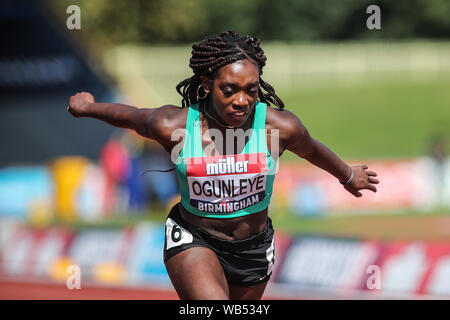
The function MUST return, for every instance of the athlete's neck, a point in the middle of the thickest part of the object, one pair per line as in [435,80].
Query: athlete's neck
[226,143]
[215,121]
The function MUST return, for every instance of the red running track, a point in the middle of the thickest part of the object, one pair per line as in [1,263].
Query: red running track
[29,290]
[51,291]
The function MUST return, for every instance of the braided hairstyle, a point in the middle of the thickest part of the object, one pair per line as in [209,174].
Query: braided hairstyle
[215,52]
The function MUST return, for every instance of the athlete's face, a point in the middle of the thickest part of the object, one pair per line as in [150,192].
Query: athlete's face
[234,91]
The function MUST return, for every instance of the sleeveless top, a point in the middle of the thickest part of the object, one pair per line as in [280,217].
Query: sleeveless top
[225,186]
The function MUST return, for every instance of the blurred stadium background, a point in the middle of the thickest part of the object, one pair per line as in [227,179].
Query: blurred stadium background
[74,192]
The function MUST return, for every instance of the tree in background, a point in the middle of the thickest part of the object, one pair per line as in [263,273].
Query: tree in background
[176,21]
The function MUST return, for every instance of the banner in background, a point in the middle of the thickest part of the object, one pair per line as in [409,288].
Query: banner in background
[102,254]
[383,269]
[145,263]
[415,267]
[31,252]
[106,256]
[417,184]
[316,262]
[311,264]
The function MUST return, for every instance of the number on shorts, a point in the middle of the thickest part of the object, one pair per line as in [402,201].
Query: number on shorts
[176,235]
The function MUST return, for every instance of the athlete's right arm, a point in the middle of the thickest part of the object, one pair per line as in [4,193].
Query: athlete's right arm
[144,121]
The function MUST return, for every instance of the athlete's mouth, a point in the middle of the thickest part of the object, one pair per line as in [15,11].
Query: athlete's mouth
[239,115]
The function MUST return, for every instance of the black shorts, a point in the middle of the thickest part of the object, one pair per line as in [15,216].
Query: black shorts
[246,262]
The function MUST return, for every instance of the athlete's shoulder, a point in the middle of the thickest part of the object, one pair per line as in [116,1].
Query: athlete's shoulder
[171,112]
[169,116]
[280,118]
[289,125]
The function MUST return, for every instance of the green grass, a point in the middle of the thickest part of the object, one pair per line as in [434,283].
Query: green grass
[380,119]
[379,226]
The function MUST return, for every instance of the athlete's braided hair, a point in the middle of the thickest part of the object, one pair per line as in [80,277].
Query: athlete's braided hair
[215,52]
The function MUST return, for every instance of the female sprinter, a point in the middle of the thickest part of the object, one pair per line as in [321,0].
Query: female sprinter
[219,238]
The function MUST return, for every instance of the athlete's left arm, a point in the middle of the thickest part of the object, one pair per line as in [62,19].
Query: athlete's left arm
[295,137]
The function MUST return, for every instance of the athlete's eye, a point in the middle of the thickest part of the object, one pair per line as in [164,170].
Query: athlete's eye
[227,92]
[252,90]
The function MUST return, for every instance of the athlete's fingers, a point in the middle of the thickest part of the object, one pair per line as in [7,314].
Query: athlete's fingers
[353,191]
[364,166]
[371,173]
[371,187]
[373,180]
[357,194]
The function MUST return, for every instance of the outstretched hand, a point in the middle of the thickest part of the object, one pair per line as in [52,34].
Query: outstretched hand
[362,179]
[79,102]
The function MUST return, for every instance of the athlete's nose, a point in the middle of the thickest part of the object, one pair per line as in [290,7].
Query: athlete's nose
[240,102]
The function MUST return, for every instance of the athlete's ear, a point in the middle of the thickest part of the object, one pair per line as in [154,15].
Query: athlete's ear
[207,83]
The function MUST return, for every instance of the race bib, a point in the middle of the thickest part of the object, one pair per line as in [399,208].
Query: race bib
[227,183]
